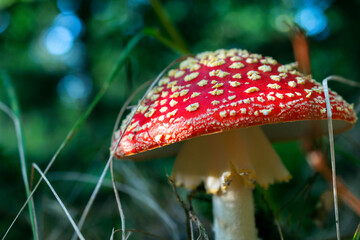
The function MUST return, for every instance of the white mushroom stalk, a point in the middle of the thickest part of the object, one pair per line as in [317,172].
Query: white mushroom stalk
[234,213]
[229,164]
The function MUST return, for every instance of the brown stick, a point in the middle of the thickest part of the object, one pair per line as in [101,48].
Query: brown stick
[316,159]
[301,50]
[188,212]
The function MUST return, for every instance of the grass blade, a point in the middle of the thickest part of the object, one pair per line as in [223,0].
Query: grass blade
[60,202]
[130,46]
[124,188]
[112,234]
[168,25]
[101,179]
[124,107]
[331,140]
[153,236]
[357,233]
[157,35]
[15,117]
[125,128]
[118,202]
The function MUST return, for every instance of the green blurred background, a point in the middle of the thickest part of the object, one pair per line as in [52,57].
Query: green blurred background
[59,53]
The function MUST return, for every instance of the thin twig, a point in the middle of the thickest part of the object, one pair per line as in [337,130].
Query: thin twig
[188,213]
[201,229]
[183,205]
[301,49]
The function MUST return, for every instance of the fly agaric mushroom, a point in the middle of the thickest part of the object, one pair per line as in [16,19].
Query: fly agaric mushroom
[217,101]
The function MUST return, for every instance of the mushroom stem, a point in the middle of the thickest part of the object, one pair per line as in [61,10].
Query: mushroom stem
[229,164]
[234,213]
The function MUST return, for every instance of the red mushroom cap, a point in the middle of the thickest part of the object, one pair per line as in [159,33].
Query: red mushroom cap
[224,90]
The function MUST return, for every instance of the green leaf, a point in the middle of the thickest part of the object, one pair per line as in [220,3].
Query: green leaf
[357,233]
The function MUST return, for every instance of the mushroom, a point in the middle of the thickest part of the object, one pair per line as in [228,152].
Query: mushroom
[228,105]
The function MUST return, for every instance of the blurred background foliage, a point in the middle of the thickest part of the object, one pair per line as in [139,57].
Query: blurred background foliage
[58,54]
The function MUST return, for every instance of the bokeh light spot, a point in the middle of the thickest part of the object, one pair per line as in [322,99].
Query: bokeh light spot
[312,19]
[59,40]
[71,22]
[68,6]
[74,88]
[4,20]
